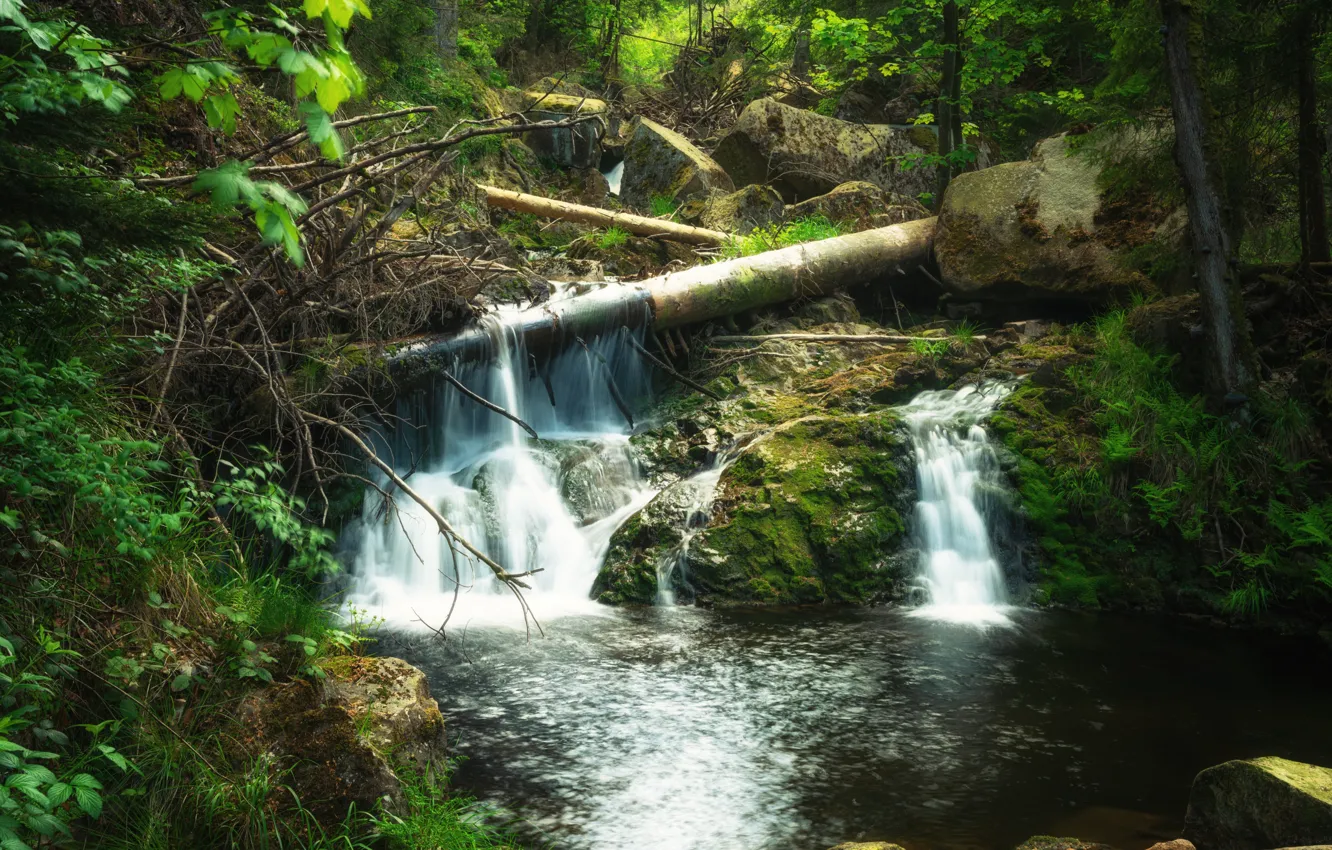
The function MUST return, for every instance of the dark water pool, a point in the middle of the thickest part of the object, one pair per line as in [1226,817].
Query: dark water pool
[690,729]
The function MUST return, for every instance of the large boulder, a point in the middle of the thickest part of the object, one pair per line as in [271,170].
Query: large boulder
[804,154]
[813,512]
[571,147]
[1259,804]
[1033,231]
[339,741]
[659,162]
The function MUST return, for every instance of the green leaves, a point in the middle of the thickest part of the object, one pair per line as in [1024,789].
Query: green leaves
[275,208]
[340,12]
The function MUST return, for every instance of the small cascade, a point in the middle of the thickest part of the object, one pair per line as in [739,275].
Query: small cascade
[547,505]
[696,495]
[613,176]
[955,465]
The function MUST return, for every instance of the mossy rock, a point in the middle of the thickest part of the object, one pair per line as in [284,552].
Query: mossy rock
[739,212]
[1258,804]
[338,740]
[803,154]
[858,205]
[1050,842]
[659,162]
[813,512]
[1028,232]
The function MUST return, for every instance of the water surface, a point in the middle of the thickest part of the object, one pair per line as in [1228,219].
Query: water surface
[684,728]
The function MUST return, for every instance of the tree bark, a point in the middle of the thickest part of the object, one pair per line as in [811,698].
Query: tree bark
[1312,200]
[636,224]
[1232,360]
[800,57]
[696,295]
[943,117]
[446,28]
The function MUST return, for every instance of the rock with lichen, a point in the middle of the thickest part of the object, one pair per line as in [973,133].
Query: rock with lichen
[661,163]
[339,740]
[1260,803]
[803,154]
[859,205]
[739,212]
[1035,231]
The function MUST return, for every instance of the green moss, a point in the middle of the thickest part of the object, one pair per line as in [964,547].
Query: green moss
[925,138]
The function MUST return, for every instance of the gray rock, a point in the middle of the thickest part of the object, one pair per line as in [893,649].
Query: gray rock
[1028,231]
[659,162]
[803,154]
[571,147]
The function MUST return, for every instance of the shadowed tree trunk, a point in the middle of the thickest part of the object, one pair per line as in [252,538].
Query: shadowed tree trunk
[1312,200]
[948,84]
[1224,325]
[800,60]
[446,28]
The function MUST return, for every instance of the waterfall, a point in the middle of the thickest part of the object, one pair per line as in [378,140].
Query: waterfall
[613,176]
[547,505]
[955,466]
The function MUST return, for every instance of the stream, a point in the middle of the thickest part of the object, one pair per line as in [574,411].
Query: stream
[689,729]
[963,722]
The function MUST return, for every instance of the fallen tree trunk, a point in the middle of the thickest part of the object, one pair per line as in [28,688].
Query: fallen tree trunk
[695,295]
[801,271]
[877,339]
[636,224]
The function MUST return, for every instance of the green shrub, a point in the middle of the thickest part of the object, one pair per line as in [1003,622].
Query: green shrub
[613,237]
[775,236]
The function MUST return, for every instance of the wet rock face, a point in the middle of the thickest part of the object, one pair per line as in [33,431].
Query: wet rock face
[803,154]
[659,162]
[1050,842]
[1029,232]
[341,738]
[1259,804]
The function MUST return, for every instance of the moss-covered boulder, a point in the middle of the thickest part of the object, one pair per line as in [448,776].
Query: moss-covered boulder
[659,162]
[571,147]
[1051,842]
[1030,231]
[1258,804]
[812,511]
[338,741]
[740,212]
[866,845]
[859,205]
[803,154]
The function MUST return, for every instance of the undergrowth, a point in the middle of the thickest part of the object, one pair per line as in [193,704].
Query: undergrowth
[1176,497]
[774,236]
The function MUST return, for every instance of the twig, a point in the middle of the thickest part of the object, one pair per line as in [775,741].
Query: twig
[488,405]
[665,367]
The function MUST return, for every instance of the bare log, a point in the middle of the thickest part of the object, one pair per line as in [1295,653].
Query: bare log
[698,294]
[808,270]
[877,339]
[636,224]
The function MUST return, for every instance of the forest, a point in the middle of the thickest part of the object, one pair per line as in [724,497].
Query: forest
[675,424]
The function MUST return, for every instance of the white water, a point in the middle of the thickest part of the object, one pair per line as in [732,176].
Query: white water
[613,175]
[548,505]
[954,465]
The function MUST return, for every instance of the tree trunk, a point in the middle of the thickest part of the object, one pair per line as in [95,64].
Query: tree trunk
[1224,325]
[698,294]
[636,224]
[943,117]
[1312,200]
[800,58]
[959,61]
[446,28]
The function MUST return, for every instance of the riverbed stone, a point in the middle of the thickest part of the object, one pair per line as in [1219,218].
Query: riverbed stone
[1177,844]
[1033,231]
[659,162]
[803,154]
[1051,842]
[866,845]
[1260,803]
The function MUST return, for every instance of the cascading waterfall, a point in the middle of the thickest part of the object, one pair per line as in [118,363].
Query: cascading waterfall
[955,466]
[549,505]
